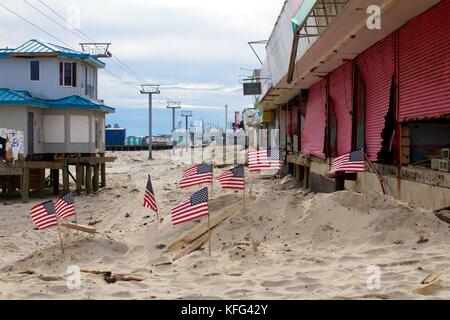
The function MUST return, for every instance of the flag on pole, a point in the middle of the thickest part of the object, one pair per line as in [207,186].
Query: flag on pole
[232,179]
[65,206]
[350,162]
[149,197]
[265,159]
[43,215]
[196,175]
[192,208]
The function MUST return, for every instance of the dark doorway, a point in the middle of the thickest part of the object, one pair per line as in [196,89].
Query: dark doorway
[30,135]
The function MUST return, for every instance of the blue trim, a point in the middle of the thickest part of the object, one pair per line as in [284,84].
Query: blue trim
[23,98]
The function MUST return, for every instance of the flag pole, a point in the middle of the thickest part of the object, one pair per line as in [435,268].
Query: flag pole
[209,223]
[383,187]
[60,238]
[243,190]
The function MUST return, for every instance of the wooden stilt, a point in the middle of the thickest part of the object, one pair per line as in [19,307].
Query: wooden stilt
[78,178]
[209,237]
[88,179]
[25,185]
[66,178]
[41,185]
[95,182]
[55,181]
[83,176]
[103,175]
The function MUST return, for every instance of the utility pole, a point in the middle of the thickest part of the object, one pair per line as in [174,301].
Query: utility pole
[226,117]
[187,115]
[150,90]
[173,105]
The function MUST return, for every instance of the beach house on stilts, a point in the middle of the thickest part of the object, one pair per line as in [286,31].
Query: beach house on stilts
[51,119]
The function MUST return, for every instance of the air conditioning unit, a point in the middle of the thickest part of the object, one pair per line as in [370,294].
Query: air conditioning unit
[435,164]
[446,154]
[444,165]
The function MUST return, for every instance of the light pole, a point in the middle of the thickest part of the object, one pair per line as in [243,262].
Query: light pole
[150,89]
[187,115]
[173,105]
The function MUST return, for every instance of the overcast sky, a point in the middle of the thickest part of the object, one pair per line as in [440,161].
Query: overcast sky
[193,48]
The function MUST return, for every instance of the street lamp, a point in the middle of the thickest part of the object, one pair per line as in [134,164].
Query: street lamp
[150,89]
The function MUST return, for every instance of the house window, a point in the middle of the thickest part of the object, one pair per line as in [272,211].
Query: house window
[34,70]
[68,74]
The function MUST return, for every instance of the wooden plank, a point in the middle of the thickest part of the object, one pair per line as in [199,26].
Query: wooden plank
[66,179]
[6,171]
[79,227]
[25,185]
[43,165]
[195,245]
[91,160]
[203,228]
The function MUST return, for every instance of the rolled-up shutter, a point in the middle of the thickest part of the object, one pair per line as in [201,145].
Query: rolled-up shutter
[425,65]
[377,67]
[313,137]
[341,93]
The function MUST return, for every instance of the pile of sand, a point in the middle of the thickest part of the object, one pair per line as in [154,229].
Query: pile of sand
[281,246]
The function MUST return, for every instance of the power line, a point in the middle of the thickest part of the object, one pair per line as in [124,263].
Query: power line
[28,21]
[87,37]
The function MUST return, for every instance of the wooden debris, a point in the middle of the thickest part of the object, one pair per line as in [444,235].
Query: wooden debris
[50,278]
[79,227]
[94,222]
[203,228]
[197,244]
[28,272]
[444,215]
[429,288]
[431,278]
[110,277]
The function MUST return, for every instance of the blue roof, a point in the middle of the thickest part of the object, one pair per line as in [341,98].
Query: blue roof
[23,98]
[37,47]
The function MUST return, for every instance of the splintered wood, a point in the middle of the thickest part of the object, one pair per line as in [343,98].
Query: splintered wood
[79,227]
[432,283]
[110,277]
[197,244]
[202,229]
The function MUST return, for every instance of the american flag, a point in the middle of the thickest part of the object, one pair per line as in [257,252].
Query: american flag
[65,206]
[264,159]
[232,179]
[192,208]
[149,197]
[43,215]
[196,175]
[350,162]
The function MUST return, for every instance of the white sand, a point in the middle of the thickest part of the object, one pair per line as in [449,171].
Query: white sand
[285,246]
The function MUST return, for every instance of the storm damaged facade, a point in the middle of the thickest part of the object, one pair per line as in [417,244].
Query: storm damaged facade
[339,82]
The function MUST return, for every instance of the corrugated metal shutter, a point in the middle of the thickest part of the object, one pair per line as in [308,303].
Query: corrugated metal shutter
[341,93]
[377,67]
[313,137]
[425,65]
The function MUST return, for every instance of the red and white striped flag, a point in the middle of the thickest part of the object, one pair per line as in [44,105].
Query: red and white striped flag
[232,179]
[149,197]
[65,206]
[43,215]
[264,159]
[350,162]
[197,175]
[192,208]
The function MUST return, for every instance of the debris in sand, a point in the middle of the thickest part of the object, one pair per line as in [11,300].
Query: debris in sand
[160,246]
[432,283]
[127,215]
[444,215]
[50,278]
[110,277]
[94,222]
[422,240]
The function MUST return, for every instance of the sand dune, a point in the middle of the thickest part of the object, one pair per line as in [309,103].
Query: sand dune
[284,245]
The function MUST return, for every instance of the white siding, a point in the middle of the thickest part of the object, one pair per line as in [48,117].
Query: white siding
[16,76]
